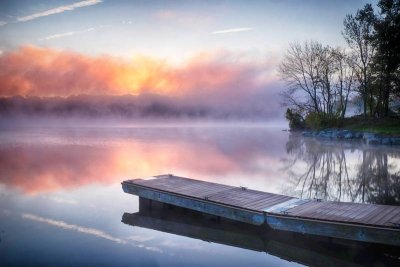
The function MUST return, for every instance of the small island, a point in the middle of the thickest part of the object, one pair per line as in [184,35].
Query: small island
[352,92]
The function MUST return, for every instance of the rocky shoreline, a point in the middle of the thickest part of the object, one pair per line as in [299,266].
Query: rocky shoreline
[367,138]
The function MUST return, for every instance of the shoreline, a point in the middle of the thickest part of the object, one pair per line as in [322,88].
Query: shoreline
[368,138]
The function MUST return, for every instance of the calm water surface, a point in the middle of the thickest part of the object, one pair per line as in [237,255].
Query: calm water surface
[61,201]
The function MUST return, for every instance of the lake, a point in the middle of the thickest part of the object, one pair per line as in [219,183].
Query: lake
[61,202]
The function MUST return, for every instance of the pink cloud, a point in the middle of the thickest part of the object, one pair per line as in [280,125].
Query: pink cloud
[218,80]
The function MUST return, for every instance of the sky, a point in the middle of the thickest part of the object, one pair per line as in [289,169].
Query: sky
[187,49]
[171,29]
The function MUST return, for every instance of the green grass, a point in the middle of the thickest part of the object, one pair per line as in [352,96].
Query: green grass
[387,126]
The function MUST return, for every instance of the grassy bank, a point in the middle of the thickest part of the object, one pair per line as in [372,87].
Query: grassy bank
[387,126]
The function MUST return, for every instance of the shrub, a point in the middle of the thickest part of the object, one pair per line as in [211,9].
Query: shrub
[296,121]
[318,120]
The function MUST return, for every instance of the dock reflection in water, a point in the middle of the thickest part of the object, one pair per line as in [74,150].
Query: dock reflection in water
[308,250]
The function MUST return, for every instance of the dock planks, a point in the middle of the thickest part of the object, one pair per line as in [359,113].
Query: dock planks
[362,222]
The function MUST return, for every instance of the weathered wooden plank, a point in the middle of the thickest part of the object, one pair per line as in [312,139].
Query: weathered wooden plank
[270,202]
[283,207]
[324,210]
[375,210]
[264,205]
[379,217]
[389,220]
[331,211]
[303,208]
[180,185]
[240,199]
[372,211]
[353,212]
[347,211]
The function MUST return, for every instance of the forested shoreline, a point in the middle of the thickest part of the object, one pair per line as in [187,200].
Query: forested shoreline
[354,86]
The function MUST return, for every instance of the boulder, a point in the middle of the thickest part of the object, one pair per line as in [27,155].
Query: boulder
[358,135]
[343,133]
[307,133]
[386,141]
[373,141]
[368,135]
[330,133]
[369,138]
[348,135]
[395,141]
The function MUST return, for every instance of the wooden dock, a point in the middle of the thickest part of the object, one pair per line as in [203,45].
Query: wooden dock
[304,249]
[353,221]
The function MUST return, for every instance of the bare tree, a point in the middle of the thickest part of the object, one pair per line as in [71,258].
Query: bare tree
[299,70]
[319,79]
[358,33]
[345,79]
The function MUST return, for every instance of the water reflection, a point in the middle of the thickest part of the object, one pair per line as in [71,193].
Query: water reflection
[343,171]
[49,160]
[308,250]
[61,199]
[52,159]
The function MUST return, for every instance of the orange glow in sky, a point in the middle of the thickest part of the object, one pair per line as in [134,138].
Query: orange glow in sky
[34,71]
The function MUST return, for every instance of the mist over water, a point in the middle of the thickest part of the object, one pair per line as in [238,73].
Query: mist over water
[44,82]
[60,186]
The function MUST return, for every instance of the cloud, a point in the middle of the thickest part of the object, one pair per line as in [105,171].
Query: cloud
[2,23]
[58,35]
[140,239]
[185,19]
[89,231]
[233,30]
[34,71]
[217,84]
[58,10]
[64,201]
[155,249]
[167,14]
[71,33]
[74,227]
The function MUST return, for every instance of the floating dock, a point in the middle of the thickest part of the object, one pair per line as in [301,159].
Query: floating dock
[352,221]
[304,249]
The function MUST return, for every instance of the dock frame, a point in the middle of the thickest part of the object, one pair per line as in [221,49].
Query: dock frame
[276,217]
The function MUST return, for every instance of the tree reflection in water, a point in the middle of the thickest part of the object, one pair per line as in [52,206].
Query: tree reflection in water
[342,171]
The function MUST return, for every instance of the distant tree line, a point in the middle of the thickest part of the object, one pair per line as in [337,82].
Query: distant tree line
[121,107]
[321,80]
